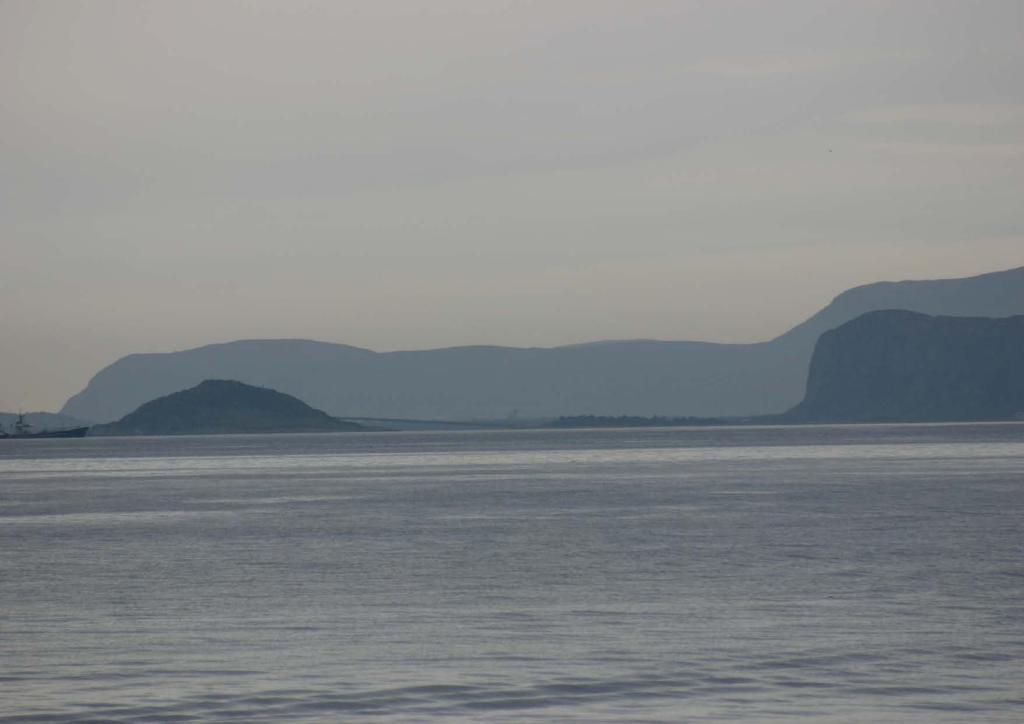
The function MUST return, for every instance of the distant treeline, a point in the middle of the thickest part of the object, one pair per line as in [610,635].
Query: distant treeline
[637,421]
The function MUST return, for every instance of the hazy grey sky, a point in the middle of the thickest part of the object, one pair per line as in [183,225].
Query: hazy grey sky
[423,174]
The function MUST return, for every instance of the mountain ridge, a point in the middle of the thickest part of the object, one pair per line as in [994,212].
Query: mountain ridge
[639,377]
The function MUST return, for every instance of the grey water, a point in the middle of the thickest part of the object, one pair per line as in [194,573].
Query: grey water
[861,573]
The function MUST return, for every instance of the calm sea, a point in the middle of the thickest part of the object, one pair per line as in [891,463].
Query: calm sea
[869,573]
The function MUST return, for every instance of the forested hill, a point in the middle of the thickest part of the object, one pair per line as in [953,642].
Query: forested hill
[224,406]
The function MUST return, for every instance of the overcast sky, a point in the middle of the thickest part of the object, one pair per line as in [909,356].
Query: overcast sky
[420,174]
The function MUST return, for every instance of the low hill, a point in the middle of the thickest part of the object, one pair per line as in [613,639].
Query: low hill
[899,366]
[637,378]
[224,406]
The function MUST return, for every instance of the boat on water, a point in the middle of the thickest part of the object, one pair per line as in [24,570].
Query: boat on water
[23,430]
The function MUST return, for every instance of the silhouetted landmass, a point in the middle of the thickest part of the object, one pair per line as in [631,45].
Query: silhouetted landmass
[637,421]
[899,366]
[224,406]
[42,420]
[640,377]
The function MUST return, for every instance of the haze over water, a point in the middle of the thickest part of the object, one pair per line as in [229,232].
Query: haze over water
[868,573]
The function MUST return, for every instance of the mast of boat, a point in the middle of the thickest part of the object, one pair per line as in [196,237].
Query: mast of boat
[21,427]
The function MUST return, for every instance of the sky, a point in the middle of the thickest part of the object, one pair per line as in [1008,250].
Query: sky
[406,175]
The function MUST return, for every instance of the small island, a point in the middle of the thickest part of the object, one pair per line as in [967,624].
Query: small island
[613,421]
[225,407]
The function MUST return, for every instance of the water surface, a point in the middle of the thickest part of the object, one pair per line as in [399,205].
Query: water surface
[858,573]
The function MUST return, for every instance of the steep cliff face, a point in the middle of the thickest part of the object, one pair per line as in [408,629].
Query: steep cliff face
[899,366]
